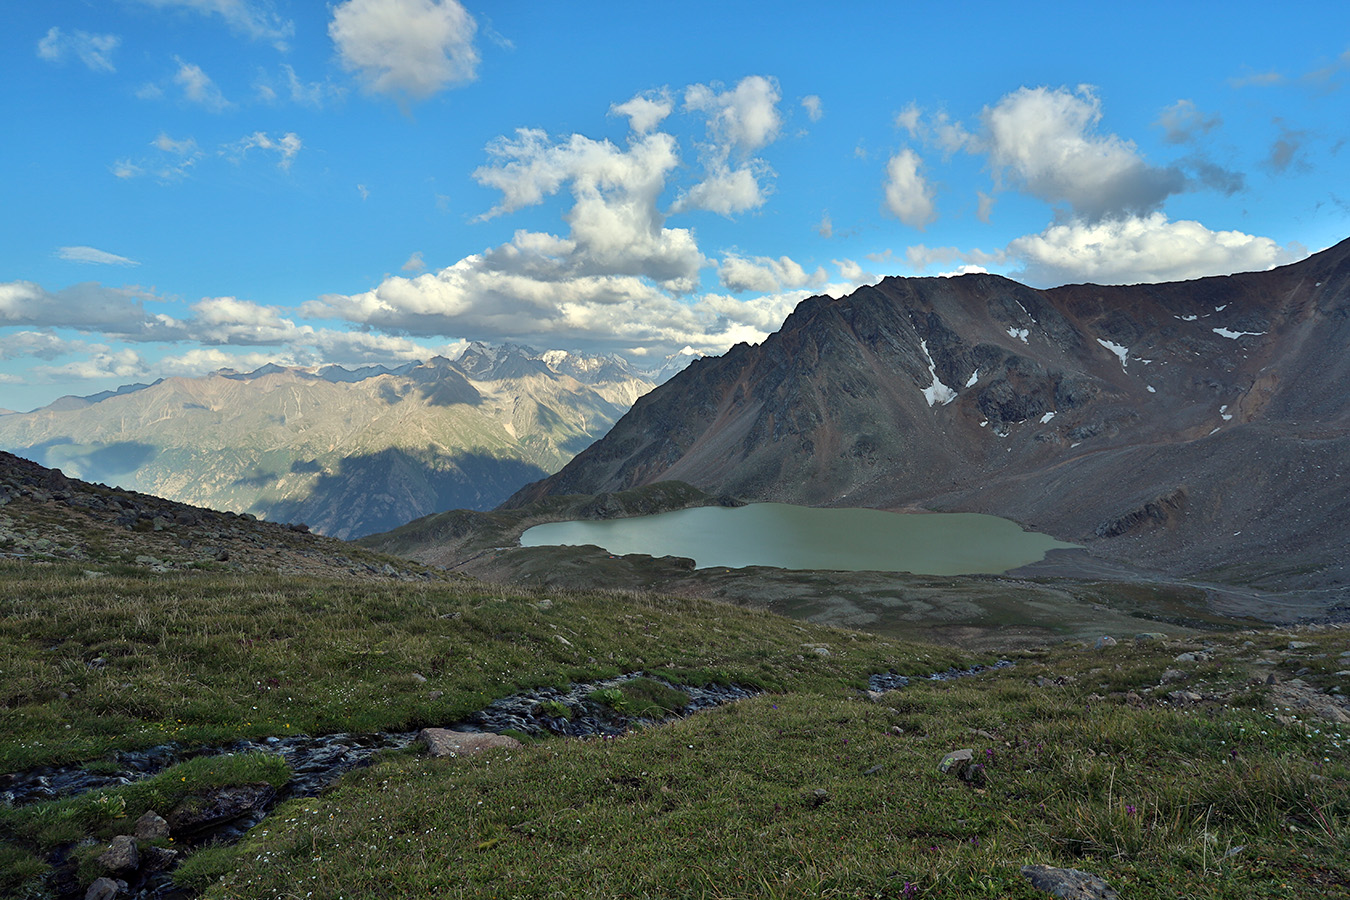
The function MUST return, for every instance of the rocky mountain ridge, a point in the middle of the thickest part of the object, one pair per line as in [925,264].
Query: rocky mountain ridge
[1193,427]
[47,516]
[350,452]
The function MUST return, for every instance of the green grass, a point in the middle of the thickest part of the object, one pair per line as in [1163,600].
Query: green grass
[810,789]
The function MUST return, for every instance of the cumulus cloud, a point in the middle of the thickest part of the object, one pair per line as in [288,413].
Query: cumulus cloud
[286,147]
[765,275]
[616,228]
[745,117]
[94,50]
[851,272]
[909,196]
[1183,123]
[228,320]
[207,360]
[405,48]
[1141,249]
[198,87]
[102,363]
[814,107]
[250,17]
[740,122]
[646,110]
[94,256]
[38,344]
[86,307]
[909,118]
[1044,142]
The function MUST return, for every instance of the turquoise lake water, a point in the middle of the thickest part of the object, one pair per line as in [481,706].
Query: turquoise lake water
[800,537]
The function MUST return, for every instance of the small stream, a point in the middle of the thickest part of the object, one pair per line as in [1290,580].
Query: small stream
[316,762]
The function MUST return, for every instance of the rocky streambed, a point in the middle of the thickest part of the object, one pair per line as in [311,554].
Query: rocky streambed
[594,709]
[600,708]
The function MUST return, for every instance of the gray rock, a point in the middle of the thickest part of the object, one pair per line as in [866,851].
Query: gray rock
[1195,657]
[158,859]
[1103,642]
[122,856]
[1301,645]
[1145,636]
[1068,884]
[1332,713]
[103,889]
[1171,676]
[1185,697]
[202,811]
[957,759]
[444,742]
[151,826]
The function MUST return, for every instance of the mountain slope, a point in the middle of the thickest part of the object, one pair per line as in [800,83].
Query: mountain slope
[1150,422]
[349,453]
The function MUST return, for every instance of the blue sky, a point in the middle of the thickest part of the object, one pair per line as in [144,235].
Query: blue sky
[197,184]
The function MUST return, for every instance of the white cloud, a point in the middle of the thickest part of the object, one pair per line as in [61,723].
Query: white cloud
[125,168]
[412,48]
[94,50]
[849,270]
[415,263]
[1043,141]
[91,255]
[1183,123]
[765,275]
[286,147]
[825,227]
[616,228]
[745,118]
[172,163]
[814,107]
[103,363]
[314,94]
[227,320]
[208,360]
[908,119]
[39,344]
[198,87]
[86,307]
[646,110]
[249,17]
[909,196]
[1141,249]
[726,191]
[740,122]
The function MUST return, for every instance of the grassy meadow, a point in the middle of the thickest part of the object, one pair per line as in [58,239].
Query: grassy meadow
[1086,758]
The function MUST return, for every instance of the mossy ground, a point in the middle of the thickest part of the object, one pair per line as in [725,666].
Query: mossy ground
[811,789]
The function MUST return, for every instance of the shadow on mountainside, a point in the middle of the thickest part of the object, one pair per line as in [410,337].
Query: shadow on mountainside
[90,462]
[381,491]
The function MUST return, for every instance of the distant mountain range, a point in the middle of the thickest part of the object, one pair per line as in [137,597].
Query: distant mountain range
[1195,427]
[348,452]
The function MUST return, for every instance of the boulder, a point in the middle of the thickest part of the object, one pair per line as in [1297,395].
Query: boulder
[103,889]
[1068,884]
[151,826]
[122,857]
[444,742]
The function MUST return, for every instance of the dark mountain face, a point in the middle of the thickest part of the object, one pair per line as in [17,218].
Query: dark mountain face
[1186,426]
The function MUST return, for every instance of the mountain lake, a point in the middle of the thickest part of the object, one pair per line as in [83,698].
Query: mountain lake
[801,537]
